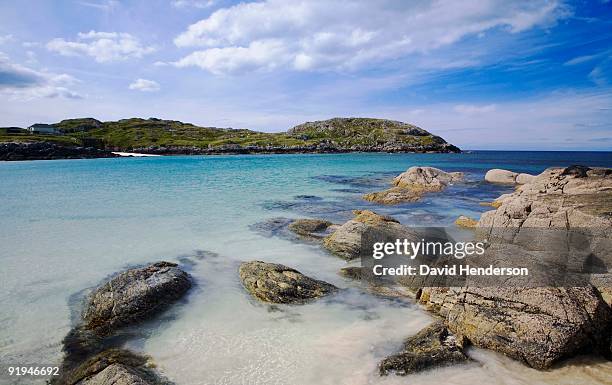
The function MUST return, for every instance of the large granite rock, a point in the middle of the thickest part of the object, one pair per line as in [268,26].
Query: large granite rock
[433,347]
[556,199]
[538,326]
[497,175]
[412,184]
[276,283]
[347,240]
[133,296]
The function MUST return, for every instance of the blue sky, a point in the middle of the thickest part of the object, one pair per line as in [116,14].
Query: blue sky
[487,74]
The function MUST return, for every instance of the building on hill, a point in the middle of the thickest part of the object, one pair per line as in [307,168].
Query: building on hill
[41,128]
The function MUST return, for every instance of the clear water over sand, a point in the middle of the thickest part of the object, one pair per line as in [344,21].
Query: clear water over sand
[66,225]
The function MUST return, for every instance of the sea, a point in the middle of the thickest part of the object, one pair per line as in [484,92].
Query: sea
[67,225]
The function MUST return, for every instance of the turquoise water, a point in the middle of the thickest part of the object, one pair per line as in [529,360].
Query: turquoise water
[66,225]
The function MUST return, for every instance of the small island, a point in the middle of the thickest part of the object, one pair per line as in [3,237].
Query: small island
[91,138]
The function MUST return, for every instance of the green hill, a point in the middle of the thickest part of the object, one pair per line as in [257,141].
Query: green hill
[171,136]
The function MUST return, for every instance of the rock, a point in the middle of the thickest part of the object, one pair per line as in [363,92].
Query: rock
[523,178]
[347,240]
[466,222]
[393,196]
[426,178]
[112,366]
[432,347]
[555,199]
[352,272]
[538,326]
[412,184]
[313,228]
[133,296]
[497,175]
[276,283]
[49,150]
[577,171]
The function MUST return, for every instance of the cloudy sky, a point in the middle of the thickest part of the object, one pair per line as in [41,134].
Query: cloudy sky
[484,74]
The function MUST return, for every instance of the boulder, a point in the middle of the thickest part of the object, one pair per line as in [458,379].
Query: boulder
[347,240]
[497,175]
[466,222]
[433,347]
[276,283]
[426,178]
[111,366]
[413,183]
[523,178]
[310,228]
[394,196]
[134,295]
[538,326]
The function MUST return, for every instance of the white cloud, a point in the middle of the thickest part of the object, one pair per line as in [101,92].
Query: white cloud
[102,46]
[6,38]
[144,85]
[18,82]
[469,109]
[193,3]
[105,5]
[317,34]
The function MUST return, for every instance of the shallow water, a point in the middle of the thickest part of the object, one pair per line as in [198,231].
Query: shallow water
[66,225]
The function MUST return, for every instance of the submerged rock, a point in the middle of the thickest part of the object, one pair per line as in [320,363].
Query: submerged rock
[112,366]
[352,272]
[134,295]
[311,228]
[466,222]
[412,184]
[430,348]
[276,283]
[346,241]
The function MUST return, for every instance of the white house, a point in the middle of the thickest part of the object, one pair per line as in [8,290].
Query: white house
[41,128]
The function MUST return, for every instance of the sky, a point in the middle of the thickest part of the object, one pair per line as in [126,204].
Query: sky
[483,74]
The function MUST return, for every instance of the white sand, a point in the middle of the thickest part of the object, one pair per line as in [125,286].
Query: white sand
[136,154]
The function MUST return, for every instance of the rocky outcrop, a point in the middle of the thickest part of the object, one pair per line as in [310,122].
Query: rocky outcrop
[412,184]
[466,222]
[276,283]
[497,175]
[556,199]
[347,241]
[538,326]
[133,296]
[48,150]
[310,228]
[433,347]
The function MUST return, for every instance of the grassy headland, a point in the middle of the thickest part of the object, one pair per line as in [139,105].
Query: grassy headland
[171,136]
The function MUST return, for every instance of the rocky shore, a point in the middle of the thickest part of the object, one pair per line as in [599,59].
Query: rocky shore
[48,151]
[538,326]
